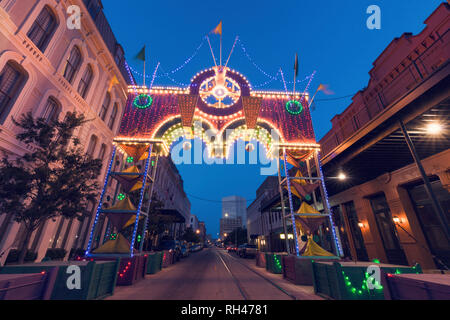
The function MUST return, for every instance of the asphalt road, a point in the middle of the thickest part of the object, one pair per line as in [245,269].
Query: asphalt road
[211,274]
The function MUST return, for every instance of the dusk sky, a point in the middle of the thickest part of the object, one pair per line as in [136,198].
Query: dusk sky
[330,38]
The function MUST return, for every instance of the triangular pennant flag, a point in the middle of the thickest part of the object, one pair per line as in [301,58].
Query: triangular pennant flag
[218,29]
[141,54]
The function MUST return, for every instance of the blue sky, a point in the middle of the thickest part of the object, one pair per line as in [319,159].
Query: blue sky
[330,38]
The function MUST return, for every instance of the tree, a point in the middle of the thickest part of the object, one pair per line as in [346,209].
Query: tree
[190,236]
[55,179]
[157,223]
[241,236]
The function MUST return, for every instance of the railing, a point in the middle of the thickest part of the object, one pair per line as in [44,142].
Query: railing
[388,90]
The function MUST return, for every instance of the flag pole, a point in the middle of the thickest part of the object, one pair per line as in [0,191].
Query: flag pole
[144,73]
[212,52]
[221,49]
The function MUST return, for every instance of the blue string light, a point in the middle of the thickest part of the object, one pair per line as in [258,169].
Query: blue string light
[336,240]
[144,181]
[291,203]
[99,208]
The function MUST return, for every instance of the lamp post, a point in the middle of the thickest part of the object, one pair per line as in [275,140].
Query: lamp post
[435,203]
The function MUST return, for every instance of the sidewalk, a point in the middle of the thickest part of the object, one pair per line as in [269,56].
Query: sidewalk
[300,292]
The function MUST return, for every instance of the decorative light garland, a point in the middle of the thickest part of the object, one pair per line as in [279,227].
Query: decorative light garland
[138,100]
[298,106]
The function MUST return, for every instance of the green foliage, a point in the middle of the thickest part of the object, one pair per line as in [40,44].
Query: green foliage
[13,256]
[56,254]
[55,179]
[190,236]
[241,238]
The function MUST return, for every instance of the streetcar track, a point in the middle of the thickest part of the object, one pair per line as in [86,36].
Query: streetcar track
[240,287]
[236,280]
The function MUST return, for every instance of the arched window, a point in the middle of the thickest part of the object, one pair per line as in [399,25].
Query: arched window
[12,80]
[101,154]
[113,117]
[43,28]
[91,146]
[85,82]
[105,106]
[73,64]
[52,109]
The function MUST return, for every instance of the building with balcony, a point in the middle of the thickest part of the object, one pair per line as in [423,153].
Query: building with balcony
[383,210]
[48,69]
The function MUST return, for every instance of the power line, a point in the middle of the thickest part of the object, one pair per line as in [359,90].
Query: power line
[334,99]
[215,201]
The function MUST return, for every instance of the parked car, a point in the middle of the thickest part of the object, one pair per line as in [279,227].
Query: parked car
[232,249]
[247,250]
[184,251]
[196,248]
[171,245]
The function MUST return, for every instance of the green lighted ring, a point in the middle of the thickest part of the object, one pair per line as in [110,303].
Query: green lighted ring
[139,98]
[298,106]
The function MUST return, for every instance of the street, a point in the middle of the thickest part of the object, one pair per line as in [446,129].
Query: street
[213,274]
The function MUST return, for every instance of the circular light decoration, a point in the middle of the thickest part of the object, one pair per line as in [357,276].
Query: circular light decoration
[220,96]
[130,160]
[143,101]
[121,197]
[294,107]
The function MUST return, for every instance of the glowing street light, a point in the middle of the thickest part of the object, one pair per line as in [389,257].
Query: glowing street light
[434,128]
[342,176]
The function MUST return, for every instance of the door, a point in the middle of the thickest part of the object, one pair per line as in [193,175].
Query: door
[387,230]
[358,240]
[432,229]
[339,222]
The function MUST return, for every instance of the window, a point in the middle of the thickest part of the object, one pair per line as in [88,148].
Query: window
[73,64]
[92,145]
[101,154]
[105,106]
[12,79]
[85,82]
[51,110]
[113,117]
[43,28]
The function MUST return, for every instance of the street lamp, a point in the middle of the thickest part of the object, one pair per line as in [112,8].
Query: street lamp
[342,176]
[434,128]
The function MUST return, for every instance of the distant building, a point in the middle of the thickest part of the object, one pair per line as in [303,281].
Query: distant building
[202,228]
[193,222]
[234,207]
[228,225]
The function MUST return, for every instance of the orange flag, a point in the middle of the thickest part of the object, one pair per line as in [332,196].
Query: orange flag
[218,29]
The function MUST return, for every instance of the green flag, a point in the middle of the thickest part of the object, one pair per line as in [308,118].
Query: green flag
[141,55]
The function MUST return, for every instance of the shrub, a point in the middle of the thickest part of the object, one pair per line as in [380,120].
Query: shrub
[56,254]
[13,256]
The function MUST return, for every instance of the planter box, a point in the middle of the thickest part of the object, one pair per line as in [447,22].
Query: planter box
[98,279]
[131,270]
[347,280]
[154,262]
[417,286]
[27,286]
[274,262]
[299,271]
[168,257]
[261,259]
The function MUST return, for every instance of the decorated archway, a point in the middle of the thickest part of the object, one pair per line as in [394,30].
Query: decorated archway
[219,100]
